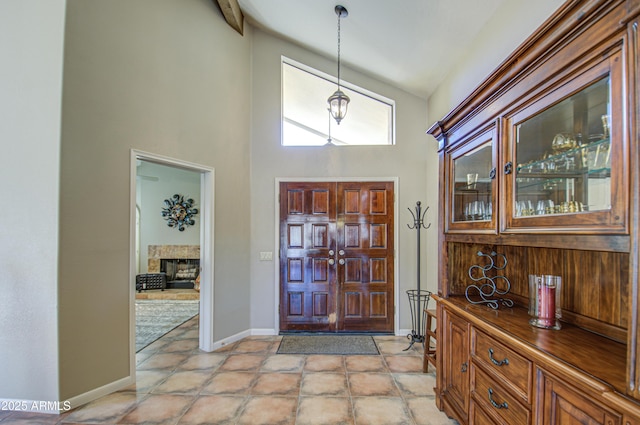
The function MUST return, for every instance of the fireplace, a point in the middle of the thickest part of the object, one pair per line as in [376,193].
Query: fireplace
[181,272]
[181,263]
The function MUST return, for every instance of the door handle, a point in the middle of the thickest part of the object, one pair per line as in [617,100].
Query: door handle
[341,261]
[331,252]
[341,252]
[508,167]
[331,261]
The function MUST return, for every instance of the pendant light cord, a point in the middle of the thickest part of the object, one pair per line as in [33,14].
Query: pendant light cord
[339,16]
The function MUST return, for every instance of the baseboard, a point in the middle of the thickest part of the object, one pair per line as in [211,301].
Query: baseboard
[102,391]
[231,339]
[270,332]
[264,332]
[57,407]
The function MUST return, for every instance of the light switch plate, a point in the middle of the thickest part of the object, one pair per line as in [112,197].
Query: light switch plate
[266,256]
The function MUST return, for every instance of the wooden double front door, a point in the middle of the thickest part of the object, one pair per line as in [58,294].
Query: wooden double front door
[336,256]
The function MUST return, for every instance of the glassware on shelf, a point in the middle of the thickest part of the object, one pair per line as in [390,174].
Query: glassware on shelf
[525,208]
[545,206]
[595,154]
[478,210]
[605,125]
[598,156]
[472,180]
[563,153]
[562,142]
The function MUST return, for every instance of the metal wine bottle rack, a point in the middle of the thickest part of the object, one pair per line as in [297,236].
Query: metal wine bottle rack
[488,292]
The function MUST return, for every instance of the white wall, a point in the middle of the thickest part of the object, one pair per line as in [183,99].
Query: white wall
[411,160]
[500,37]
[161,76]
[156,183]
[31,46]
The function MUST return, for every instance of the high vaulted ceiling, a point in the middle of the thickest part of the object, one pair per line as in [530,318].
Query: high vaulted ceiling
[411,44]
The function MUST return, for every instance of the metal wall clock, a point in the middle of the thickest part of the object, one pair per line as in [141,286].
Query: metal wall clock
[179,212]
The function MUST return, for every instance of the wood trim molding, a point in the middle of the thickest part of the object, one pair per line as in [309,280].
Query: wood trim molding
[232,14]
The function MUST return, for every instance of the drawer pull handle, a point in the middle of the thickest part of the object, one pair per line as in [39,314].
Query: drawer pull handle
[496,405]
[504,362]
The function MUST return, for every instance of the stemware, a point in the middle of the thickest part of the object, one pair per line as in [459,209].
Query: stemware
[477,210]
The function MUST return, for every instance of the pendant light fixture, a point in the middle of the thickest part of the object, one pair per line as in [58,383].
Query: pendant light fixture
[339,101]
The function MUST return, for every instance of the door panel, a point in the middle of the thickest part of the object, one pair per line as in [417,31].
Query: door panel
[307,235]
[365,256]
[336,256]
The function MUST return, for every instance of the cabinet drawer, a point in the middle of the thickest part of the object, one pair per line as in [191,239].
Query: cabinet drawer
[516,370]
[477,416]
[494,398]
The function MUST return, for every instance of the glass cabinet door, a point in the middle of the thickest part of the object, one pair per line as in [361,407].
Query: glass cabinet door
[472,181]
[561,168]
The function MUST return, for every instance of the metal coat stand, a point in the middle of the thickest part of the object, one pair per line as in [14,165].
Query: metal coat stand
[418,298]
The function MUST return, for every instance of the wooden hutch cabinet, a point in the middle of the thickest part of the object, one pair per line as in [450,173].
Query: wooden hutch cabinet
[540,174]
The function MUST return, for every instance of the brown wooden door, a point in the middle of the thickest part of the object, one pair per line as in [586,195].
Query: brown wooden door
[365,256]
[336,256]
[307,277]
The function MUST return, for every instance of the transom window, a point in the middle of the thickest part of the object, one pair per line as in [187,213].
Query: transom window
[305,116]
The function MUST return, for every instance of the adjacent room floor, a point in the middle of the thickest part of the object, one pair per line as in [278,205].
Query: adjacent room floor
[248,383]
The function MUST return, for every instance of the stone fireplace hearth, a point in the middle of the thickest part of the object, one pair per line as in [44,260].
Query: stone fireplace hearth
[180,262]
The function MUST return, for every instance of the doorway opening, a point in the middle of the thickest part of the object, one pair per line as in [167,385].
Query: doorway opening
[337,270]
[167,275]
[157,241]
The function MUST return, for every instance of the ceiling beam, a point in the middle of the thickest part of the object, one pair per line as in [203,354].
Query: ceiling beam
[233,14]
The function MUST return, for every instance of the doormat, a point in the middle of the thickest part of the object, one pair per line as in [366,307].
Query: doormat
[328,344]
[155,318]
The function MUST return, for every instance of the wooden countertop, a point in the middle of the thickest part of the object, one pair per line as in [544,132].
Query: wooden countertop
[600,358]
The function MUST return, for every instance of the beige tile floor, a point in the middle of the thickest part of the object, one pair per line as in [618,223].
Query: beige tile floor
[247,383]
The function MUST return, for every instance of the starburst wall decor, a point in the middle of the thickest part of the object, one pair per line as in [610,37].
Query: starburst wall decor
[179,212]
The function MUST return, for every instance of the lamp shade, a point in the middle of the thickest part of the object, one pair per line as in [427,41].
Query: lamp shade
[338,103]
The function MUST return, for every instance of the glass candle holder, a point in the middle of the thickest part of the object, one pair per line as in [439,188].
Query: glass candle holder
[544,301]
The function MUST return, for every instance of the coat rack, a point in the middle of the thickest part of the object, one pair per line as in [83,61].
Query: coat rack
[418,298]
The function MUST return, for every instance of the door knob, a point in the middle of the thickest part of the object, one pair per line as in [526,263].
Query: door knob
[331,261]
[341,252]
[508,167]
[341,261]
[331,252]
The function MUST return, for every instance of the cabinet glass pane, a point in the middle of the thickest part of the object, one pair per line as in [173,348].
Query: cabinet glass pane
[473,185]
[563,156]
